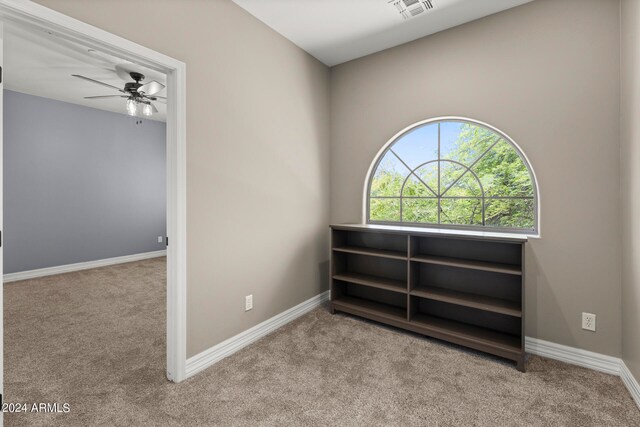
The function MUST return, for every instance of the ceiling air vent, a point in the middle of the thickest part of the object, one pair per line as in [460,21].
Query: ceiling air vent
[411,8]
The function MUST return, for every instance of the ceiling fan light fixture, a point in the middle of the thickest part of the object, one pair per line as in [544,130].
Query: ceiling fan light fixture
[132,107]
[138,95]
[146,109]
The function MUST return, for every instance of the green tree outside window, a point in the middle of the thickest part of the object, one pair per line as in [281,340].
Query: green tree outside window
[453,173]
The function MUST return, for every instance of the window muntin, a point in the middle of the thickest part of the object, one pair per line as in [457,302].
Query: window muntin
[453,173]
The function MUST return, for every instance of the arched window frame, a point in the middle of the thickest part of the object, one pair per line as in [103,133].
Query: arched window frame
[535,232]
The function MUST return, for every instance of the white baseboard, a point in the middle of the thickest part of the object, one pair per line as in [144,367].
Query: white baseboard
[574,356]
[203,360]
[586,359]
[42,272]
[629,380]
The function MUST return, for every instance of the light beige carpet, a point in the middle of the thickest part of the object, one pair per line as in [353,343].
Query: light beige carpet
[95,339]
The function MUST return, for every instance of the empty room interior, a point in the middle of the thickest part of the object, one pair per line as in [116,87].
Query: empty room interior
[300,212]
[84,188]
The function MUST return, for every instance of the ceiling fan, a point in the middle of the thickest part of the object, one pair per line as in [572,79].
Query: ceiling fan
[139,95]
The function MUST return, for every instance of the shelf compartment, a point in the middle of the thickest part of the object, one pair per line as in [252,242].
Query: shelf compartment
[382,253]
[498,322]
[469,264]
[481,302]
[363,240]
[373,281]
[487,284]
[473,336]
[370,309]
[383,273]
[468,249]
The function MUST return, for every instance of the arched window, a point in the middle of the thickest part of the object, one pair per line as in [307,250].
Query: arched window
[453,173]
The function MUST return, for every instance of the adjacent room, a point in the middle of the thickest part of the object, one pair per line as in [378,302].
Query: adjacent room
[85,213]
[294,212]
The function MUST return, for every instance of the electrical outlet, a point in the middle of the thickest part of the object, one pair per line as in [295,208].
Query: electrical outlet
[160,239]
[589,321]
[248,302]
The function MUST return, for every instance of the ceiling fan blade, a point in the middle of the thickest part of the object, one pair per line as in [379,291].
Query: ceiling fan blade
[105,96]
[123,70]
[153,108]
[151,88]
[157,98]
[97,82]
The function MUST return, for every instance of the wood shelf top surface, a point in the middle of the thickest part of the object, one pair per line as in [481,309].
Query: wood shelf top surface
[383,253]
[472,333]
[375,308]
[470,264]
[480,302]
[373,281]
[435,232]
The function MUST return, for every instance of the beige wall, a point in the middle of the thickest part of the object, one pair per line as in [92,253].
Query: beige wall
[257,153]
[630,170]
[546,73]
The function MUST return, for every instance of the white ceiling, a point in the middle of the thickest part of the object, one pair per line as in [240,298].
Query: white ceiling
[40,64]
[336,31]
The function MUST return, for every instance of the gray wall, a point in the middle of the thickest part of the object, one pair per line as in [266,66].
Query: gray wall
[80,184]
[257,158]
[546,73]
[630,170]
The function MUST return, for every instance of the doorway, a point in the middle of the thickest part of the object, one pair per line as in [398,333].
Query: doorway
[37,18]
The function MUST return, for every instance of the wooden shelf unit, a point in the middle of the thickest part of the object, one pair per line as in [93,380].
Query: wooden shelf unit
[462,287]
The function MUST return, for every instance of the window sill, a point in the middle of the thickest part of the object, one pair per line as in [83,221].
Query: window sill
[449,232]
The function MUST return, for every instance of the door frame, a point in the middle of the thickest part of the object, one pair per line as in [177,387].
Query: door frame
[41,18]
